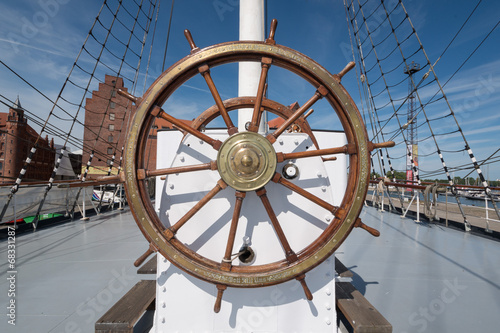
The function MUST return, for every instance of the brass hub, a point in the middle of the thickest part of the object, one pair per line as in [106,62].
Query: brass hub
[246,161]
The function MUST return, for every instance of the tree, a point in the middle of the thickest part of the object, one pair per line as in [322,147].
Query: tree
[398,175]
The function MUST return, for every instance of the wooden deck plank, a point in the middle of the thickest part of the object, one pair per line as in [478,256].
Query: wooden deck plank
[361,314]
[149,267]
[129,309]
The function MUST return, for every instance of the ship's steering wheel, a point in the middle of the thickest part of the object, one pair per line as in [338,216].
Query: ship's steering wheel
[246,161]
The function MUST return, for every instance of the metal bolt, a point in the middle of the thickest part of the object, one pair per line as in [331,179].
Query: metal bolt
[328,322]
[296,142]
[328,218]
[328,306]
[328,292]
[323,188]
[171,185]
[280,141]
[319,174]
[182,158]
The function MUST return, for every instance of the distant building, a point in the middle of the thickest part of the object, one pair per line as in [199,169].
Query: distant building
[107,117]
[16,140]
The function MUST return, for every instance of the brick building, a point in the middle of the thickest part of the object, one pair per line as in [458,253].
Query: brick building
[106,117]
[109,114]
[16,140]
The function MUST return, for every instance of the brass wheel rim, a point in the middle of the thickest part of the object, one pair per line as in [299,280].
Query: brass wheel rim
[261,275]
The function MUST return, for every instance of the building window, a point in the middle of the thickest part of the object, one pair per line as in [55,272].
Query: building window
[110,138]
[111,127]
[1,165]
[110,151]
[111,116]
[112,105]
[113,93]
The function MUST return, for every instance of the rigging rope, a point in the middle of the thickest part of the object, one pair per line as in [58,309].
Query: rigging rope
[390,13]
[104,60]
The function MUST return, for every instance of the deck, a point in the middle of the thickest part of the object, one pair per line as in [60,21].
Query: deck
[421,277]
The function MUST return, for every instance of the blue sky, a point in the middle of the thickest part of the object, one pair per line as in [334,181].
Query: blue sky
[41,39]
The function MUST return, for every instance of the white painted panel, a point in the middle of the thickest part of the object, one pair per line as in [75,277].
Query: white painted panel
[181,298]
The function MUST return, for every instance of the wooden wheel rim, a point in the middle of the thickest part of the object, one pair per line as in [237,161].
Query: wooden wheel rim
[261,275]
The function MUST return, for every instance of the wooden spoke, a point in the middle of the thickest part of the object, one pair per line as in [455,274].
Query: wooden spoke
[158,112]
[379,145]
[170,232]
[143,174]
[226,264]
[290,255]
[347,149]
[254,126]
[320,93]
[205,72]
[320,202]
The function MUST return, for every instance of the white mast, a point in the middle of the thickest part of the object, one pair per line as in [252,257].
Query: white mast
[251,28]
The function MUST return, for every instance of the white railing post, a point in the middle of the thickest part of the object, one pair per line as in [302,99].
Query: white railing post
[418,206]
[120,207]
[84,217]
[487,217]
[408,208]
[15,214]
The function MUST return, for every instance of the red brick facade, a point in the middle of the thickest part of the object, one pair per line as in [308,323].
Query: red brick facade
[111,113]
[106,117]
[16,140]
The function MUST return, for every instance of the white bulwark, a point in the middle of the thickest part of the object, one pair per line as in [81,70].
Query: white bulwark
[184,303]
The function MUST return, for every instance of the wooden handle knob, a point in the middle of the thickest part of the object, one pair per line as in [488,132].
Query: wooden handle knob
[374,232]
[146,254]
[218,301]
[190,40]
[302,280]
[272,32]
[346,69]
